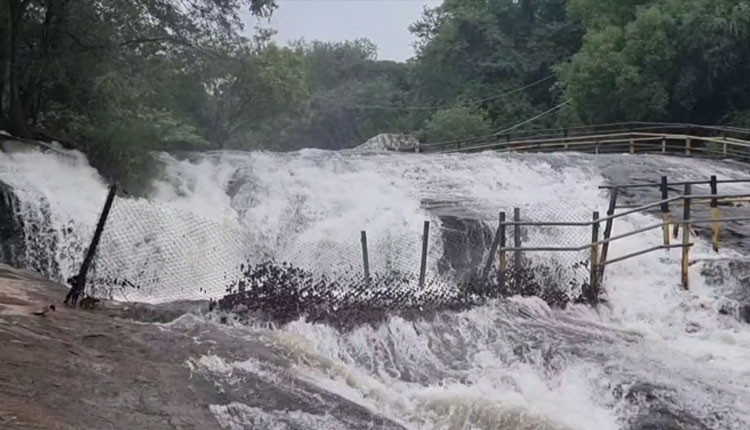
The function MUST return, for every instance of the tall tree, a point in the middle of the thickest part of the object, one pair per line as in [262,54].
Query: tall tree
[39,34]
[469,49]
[673,60]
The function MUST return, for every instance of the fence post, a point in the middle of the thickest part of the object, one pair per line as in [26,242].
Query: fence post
[79,281]
[686,238]
[715,213]
[517,244]
[725,146]
[663,145]
[594,281]
[608,230]
[665,208]
[493,248]
[365,258]
[632,145]
[423,263]
[503,257]
[687,146]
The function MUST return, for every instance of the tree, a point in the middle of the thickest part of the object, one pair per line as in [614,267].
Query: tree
[456,123]
[40,35]
[682,61]
[348,95]
[468,50]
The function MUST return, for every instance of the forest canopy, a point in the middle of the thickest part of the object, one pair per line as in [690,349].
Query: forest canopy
[123,78]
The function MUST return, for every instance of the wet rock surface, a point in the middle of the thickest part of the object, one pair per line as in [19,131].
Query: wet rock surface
[98,369]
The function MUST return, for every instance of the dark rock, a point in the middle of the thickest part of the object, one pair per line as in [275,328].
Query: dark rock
[664,419]
[12,245]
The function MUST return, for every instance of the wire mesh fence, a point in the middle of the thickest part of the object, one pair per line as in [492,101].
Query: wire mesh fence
[154,252]
[557,276]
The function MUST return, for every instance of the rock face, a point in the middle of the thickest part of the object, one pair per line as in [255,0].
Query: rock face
[27,238]
[390,142]
[98,369]
[466,241]
[12,244]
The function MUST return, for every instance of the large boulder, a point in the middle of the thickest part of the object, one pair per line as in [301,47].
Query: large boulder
[390,142]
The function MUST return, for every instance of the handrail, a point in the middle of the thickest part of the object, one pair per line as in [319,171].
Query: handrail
[598,262]
[614,238]
[600,139]
[657,185]
[629,127]
[645,251]
[626,213]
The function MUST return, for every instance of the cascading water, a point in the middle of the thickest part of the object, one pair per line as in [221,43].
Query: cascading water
[653,356]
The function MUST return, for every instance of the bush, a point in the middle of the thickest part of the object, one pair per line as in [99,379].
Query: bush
[122,150]
[456,123]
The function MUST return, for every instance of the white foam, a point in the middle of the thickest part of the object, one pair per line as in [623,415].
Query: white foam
[309,207]
[238,416]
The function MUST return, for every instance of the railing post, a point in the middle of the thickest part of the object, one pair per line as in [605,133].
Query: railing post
[687,146]
[686,238]
[517,244]
[665,208]
[715,213]
[593,279]
[503,257]
[608,230]
[79,281]
[725,147]
[632,145]
[365,258]
[663,145]
[423,263]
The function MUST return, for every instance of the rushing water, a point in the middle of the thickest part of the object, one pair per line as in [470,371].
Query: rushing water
[652,356]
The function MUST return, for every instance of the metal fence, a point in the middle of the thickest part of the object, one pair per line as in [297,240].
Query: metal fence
[146,251]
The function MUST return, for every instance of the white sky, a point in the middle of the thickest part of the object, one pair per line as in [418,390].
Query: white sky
[384,22]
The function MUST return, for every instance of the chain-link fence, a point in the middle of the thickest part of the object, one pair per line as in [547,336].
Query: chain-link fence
[153,252]
[558,276]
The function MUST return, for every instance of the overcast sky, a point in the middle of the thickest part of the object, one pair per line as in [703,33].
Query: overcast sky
[384,22]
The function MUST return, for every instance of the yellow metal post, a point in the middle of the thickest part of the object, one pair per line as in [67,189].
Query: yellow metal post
[665,209]
[686,239]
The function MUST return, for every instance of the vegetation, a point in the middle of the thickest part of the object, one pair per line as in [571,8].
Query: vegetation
[123,78]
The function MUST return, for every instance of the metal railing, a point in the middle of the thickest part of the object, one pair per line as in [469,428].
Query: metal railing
[674,139]
[599,244]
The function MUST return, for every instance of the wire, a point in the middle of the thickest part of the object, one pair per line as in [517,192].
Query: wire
[435,107]
[500,132]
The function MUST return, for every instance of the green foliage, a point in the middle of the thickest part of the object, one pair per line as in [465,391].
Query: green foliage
[660,60]
[470,49]
[124,79]
[122,149]
[341,82]
[456,123]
